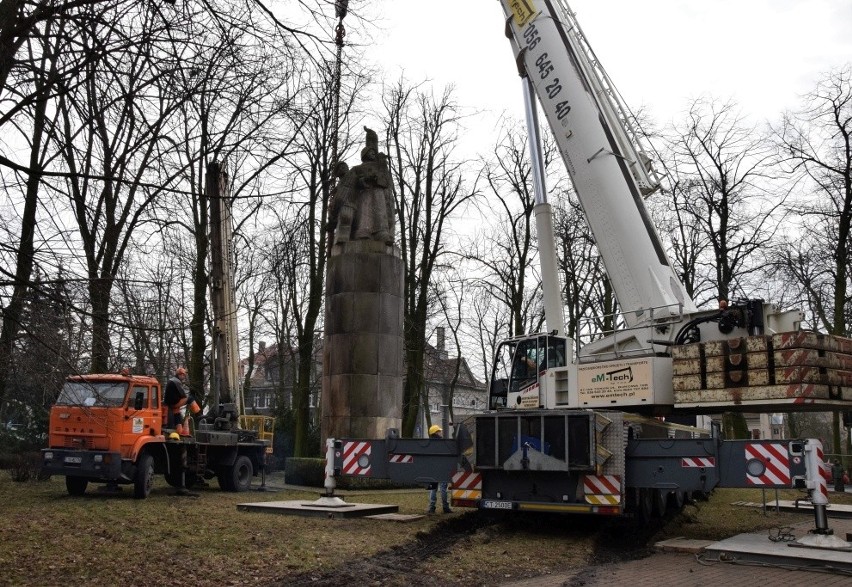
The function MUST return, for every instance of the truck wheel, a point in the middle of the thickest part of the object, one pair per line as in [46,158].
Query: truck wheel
[644,505]
[76,485]
[237,477]
[143,481]
[677,499]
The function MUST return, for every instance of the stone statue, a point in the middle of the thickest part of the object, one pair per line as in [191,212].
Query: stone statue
[362,204]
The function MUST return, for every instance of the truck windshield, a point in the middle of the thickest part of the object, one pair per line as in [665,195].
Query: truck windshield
[82,393]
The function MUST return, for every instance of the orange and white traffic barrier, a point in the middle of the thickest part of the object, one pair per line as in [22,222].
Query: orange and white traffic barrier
[466,488]
[602,489]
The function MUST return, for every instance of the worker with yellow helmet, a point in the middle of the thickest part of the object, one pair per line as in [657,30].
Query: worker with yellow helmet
[436,431]
[175,397]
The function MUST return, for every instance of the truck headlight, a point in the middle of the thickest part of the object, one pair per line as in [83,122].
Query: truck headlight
[99,458]
[48,456]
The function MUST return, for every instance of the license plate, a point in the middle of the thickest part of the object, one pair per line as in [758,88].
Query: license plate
[490,504]
[73,460]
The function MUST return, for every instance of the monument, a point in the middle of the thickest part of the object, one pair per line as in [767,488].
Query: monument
[363,349]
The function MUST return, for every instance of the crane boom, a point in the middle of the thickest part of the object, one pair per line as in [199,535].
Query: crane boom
[607,171]
[611,173]
[225,348]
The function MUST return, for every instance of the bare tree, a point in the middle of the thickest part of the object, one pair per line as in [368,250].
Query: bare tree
[230,70]
[111,140]
[688,243]
[144,95]
[723,187]
[145,310]
[430,189]
[507,251]
[725,190]
[256,295]
[36,131]
[310,179]
[589,299]
[452,291]
[489,323]
[816,144]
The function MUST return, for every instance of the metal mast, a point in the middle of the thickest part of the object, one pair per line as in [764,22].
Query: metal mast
[225,344]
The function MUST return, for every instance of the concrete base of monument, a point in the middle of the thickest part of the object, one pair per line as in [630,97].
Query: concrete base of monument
[364,347]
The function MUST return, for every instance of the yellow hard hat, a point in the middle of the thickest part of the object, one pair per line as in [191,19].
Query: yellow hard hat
[434,429]
[174,436]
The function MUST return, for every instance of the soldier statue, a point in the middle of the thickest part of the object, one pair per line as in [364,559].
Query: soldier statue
[362,204]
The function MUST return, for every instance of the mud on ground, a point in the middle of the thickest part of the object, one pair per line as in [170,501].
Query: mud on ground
[429,558]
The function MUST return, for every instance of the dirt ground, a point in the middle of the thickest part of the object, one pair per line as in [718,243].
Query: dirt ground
[416,563]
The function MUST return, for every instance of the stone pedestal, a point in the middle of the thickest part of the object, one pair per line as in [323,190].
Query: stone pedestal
[363,348]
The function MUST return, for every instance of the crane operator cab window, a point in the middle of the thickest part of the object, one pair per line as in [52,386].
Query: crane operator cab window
[528,356]
[519,364]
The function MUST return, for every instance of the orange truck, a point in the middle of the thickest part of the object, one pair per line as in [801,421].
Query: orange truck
[110,428]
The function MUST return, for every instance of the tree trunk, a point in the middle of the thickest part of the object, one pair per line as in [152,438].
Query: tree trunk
[23,272]
[792,426]
[99,293]
[415,335]
[306,340]
[301,405]
[200,283]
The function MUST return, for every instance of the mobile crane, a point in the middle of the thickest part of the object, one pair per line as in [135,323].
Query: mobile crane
[111,428]
[576,428]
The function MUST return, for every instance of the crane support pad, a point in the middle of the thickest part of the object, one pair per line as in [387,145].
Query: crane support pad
[794,371]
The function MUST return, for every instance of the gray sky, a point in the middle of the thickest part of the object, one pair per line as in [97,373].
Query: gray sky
[660,54]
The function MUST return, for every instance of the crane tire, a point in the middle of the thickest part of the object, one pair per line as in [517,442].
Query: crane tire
[677,499]
[238,476]
[642,502]
[660,502]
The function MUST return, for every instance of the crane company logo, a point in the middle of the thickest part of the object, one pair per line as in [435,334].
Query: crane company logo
[523,10]
[622,375]
[612,383]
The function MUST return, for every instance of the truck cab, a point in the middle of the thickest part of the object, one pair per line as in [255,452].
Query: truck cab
[99,426]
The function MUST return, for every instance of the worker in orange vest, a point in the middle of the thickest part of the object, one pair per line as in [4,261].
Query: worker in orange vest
[175,397]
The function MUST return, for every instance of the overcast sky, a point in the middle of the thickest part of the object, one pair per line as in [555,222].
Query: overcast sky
[660,54]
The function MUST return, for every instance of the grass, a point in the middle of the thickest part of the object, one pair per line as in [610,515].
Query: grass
[50,538]
[717,519]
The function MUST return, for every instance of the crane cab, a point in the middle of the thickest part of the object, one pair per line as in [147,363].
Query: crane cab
[521,365]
